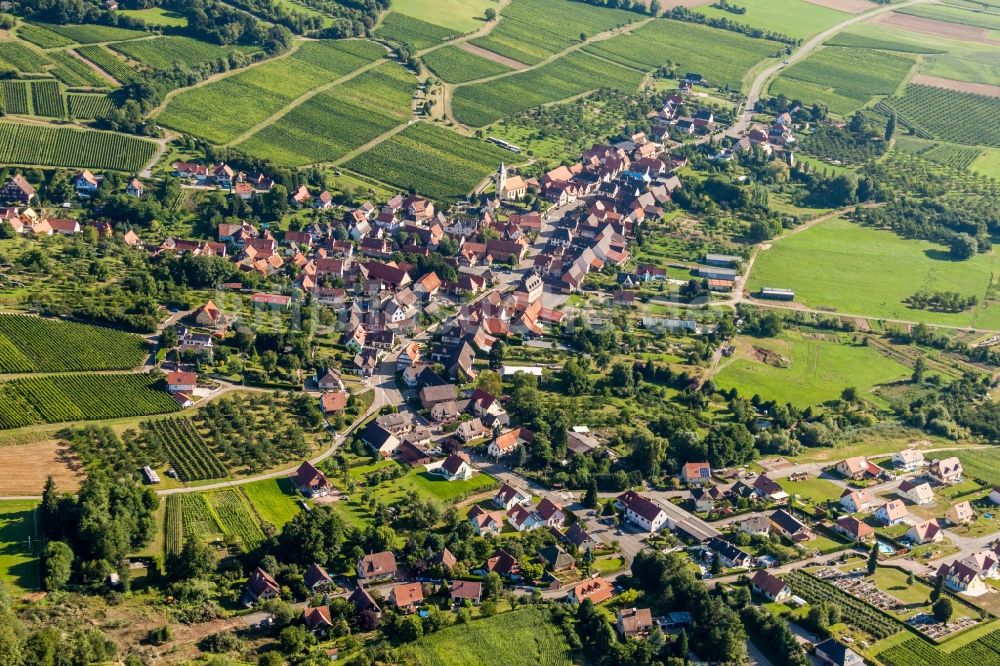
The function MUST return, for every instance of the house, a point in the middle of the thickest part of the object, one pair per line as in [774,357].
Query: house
[329,379]
[926,532]
[379,439]
[412,454]
[466,590]
[472,429]
[645,513]
[260,587]
[854,529]
[502,563]
[947,471]
[960,513]
[917,493]
[705,498]
[579,537]
[891,513]
[63,226]
[696,472]
[858,468]
[729,554]
[85,183]
[508,497]
[208,315]
[507,442]
[908,459]
[135,188]
[398,423]
[523,519]
[597,590]
[316,578]
[366,606]
[486,522]
[557,559]
[444,559]
[432,395]
[551,513]
[183,382]
[960,577]
[634,622]
[18,190]
[770,586]
[581,443]
[376,567]
[769,489]
[310,480]
[789,526]
[985,562]
[407,596]
[317,619]
[834,653]
[755,525]
[858,500]
[456,467]
[333,402]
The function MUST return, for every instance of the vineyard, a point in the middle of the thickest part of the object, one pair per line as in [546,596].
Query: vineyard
[23,58]
[339,120]
[72,148]
[185,449]
[43,37]
[533,30]
[479,104]
[950,115]
[110,63]
[74,72]
[197,518]
[15,97]
[237,518]
[48,99]
[454,65]
[216,516]
[92,33]
[862,42]
[34,344]
[84,106]
[855,612]
[163,52]
[419,34]
[174,525]
[958,157]
[25,402]
[451,164]
[917,652]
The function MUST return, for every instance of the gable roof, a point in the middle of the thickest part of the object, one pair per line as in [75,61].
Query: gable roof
[767,583]
[407,594]
[377,564]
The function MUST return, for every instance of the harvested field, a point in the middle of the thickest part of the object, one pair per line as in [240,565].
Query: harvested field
[960,86]
[495,57]
[849,6]
[25,467]
[936,28]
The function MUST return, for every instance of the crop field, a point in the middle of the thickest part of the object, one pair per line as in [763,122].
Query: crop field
[480,104]
[795,18]
[948,14]
[47,99]
[454,65]
[917,652]
[25,402]
[86,107]
[197,518]
[15,97]
[844,79]
[224,109]
[110,63]
[855,611]
[458,15]
[236,517]
[66,147]
[852,258]
[532,30]
[211,517]
[42,36]
[804,370]
[951,115]
[185,448]
[273,500]
[33,344]
[419,34]
[92,33]
[722,56]
[336,121]
[852,40]
[489,641]
[174,525]
[451,164]
[19,568]
[74,72]
[163,52]
[23,58]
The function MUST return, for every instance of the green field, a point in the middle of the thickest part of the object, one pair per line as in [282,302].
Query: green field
[110,62]
[532,30]
[489,643]
[273,500]
[977,19]
[42,36]
[23,58]
[224,109]
[84,107]
[987,163]
[418,34]
[844,79]
[163,52]
[950,115]
[795,18]
[336,121]
[74,72]
[432,486]
[817,369]
[721,56]
[834,266]
[864,42]
[157,16]
[33,344]
[458,15]
[454,65]
[815,489]
[451,164]
[982,464]
[18,564]
[92,33]
[480,104]
[72,148]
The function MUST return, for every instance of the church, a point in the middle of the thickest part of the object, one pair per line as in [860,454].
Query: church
[510,188]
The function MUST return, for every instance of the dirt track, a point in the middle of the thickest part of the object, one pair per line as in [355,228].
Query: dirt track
[495,57]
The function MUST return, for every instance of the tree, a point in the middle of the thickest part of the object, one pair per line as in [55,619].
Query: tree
[574,378]
[49,509]
[919,368]
[654,8]
[849,394]
[682,645]
[890,127]
[493,585]
[873,559]
[195,560]
[590,497]
[58,563]
[857,123]
[938,589]
[490,14]
[943,610]
[963,246]
[489,381]
[497,353]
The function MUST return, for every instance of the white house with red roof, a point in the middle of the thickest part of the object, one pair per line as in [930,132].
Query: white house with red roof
[183,382]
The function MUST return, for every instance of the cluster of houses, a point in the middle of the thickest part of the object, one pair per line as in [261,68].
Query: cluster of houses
[777,139]
[223,177]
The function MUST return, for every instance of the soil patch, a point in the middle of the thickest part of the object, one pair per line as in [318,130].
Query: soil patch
[495,57]
[26,466]
[961,86]
[936,28]
[768,357]
[849,6]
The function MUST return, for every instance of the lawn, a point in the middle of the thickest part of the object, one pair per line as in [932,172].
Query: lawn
[805,370]
[980,527]
[524,637]
[433,487]
[795,18]
[817,490]
[18,565]
[834,266]
[157,16]
[893,581]
[987,163]
[273,500]
[458,15]
[609,564]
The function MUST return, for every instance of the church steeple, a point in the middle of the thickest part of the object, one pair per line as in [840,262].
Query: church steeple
[502,179]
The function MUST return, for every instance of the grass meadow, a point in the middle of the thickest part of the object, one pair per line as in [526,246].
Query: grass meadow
[816,369]
[273,500]
[18,564]
[795,18]
[987,163]
[458,15]
[835,265]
